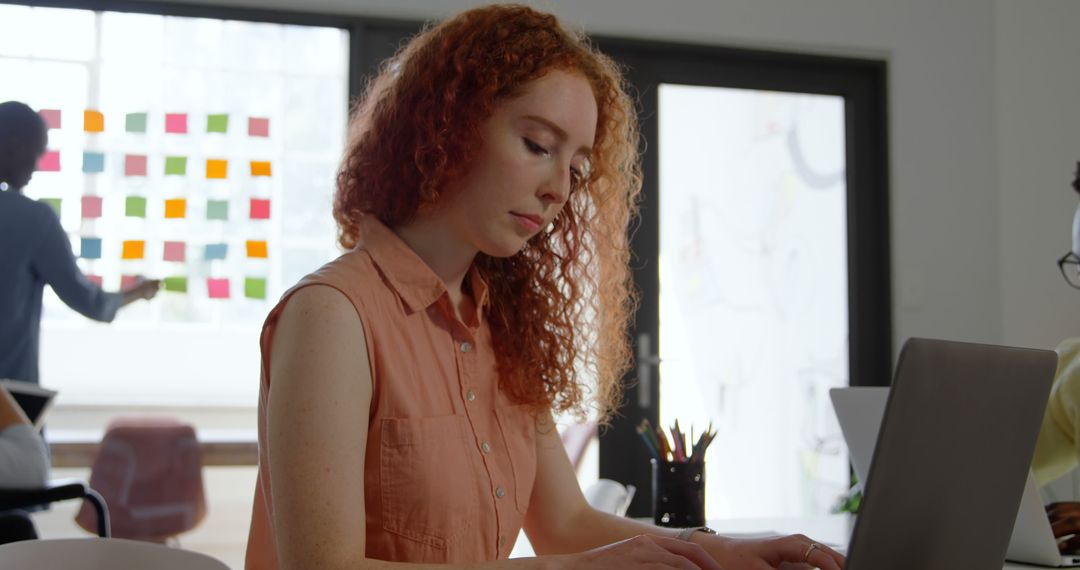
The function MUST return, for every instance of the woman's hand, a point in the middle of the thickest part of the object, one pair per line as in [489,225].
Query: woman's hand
[795,551]
[642,551]
[1065,521]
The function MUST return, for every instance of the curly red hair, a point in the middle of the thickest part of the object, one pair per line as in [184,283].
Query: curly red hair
[560,307]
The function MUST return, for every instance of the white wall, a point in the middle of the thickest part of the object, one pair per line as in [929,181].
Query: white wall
[980,147]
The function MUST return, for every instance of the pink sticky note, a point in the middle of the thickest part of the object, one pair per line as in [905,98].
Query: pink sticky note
[134,165]
[258,127]
[49,162]
[91,207]
[260,209]
[219,288]
[51,117]
[128,281]
[176,123]
[95,279]
[175,251]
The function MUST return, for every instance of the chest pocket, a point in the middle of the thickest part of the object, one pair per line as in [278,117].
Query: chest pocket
[519,432]
[429,482]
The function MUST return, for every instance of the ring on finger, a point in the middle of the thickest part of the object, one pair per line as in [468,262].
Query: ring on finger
[810,550]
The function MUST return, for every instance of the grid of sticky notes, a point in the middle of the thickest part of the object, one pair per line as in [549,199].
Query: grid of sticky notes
[174,208]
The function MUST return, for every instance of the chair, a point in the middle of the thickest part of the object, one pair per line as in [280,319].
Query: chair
[99,554]
[149,470]
[57,490]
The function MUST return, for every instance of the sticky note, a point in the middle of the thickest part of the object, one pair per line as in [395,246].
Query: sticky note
[255,288]
[175,208]
[217,123]
[175,165]
[134,165]
[93,162]
[49,162]
[95,279]
[218,288]
[176,284]
[135,207]
[91,207]
[133,249]
[93,121]
[135,123]
[128,281]
[258,127]
[53,203]
[90,248]
[51,118]
[216,168]
[260,168]
[175,251]
[176,123]
[260,209]
[217,209]
[216,251]
[256,249]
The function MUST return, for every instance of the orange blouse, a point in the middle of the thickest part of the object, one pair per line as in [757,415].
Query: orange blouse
[450,458]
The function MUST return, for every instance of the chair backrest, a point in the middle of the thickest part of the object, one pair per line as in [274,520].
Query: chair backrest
[101,553]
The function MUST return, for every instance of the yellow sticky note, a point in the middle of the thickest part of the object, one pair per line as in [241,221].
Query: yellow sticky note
[217,168]
[256,248]
[176,208]
[93,121]
[260,168]
[133,249]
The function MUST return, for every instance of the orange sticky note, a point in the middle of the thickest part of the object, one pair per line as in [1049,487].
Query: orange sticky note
[176,208]
[93,121]
[260,168]
[256,249]
[216,168]
[133,249]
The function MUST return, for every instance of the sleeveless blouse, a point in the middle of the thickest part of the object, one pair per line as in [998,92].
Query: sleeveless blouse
[451,459]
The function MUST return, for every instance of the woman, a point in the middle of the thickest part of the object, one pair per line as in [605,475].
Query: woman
[408,386]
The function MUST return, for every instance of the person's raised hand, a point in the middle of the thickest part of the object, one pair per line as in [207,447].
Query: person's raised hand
[644,551]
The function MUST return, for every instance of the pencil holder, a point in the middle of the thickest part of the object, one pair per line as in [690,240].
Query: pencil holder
[678,493]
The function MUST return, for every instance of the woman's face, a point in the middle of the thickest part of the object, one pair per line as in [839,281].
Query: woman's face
[534,148]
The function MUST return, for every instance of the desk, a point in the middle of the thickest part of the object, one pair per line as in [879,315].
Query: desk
[71,448]
[830,529]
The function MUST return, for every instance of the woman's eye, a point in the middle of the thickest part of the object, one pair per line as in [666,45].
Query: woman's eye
[535,148]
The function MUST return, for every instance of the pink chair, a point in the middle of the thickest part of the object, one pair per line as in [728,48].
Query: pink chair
[149,470]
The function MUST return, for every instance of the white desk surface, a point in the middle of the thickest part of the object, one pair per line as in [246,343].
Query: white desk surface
[828,529]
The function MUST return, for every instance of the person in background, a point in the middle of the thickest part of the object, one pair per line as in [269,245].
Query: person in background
[1057,451]
[35,251]
[408,387]
[24,464]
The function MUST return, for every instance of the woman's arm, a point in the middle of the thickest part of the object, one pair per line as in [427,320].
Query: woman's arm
[560,521]
[24,461]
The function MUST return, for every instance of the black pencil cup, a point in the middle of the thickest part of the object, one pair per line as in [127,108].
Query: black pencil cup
[678,494]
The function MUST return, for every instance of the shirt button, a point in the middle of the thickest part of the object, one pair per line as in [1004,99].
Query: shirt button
[485,447]
[502,541]
[470,395]
[466,347]
[499,492]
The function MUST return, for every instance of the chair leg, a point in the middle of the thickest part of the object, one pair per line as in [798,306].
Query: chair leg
[102,510]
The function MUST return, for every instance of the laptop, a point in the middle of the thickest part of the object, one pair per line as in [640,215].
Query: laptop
[859,411]
[947,471]
[34,400]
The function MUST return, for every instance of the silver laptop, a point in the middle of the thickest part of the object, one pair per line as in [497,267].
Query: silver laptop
[947,471]
[859,411]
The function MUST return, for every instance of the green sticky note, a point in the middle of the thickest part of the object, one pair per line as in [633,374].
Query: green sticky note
[255,288]
[217,123]
[54,202]
[176,284]
[217,209]
[175,165]
[135,207]
[135,123]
